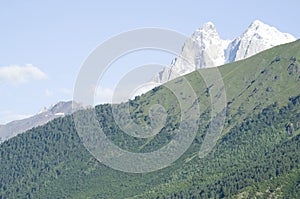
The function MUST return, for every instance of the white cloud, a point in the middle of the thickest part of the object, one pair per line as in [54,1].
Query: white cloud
[20,74]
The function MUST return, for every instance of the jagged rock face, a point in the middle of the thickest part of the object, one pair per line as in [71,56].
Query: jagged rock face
[210,47]
[256,38]
[205,48]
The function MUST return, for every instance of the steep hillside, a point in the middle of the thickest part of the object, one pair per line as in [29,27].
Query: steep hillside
[60,109]
[284,186]
[257,144]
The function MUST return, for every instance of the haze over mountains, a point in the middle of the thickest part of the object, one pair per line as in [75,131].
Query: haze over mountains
[206,49]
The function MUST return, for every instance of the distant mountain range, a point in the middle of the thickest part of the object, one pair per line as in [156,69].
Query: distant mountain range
[206,49]
[45,115]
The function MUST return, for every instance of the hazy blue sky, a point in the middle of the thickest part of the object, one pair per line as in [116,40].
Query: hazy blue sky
[44,43]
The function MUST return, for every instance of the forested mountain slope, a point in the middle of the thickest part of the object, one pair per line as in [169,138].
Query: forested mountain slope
[257,147]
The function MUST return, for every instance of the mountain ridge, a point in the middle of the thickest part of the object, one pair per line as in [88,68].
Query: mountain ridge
[206,49]
[16,127]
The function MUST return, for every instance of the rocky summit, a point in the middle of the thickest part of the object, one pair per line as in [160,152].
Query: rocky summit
[205,48]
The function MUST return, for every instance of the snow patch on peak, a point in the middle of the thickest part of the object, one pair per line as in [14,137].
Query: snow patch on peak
[206,32]
[59,114]
[256,23]
[207,26]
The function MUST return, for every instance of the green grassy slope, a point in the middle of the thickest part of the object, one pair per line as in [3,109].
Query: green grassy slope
[254,150]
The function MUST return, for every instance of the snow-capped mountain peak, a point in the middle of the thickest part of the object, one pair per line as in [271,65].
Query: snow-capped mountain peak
[256,38]
[207,34]
[256,23]
[205,48]
[208,27]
